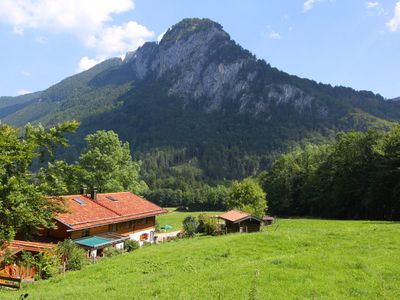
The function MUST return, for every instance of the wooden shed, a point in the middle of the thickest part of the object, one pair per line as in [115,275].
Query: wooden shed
[239,221]
[17,268]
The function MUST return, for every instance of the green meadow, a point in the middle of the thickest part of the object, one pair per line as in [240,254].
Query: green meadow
[175,218]
[293,259]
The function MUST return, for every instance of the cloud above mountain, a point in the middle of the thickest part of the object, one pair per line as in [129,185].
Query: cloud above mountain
[394,23]
[91,21]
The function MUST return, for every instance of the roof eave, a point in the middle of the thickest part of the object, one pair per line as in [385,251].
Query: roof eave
[114,222]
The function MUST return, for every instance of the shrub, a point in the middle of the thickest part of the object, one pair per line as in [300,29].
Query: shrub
[48,264]
[182,234]
[146,243]
[131,245]
[202,218]
[211,227]
[190,225]
[72,257]
[157,227]
[111,251]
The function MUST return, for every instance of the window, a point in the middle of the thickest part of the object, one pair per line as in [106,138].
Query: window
[111,198]
[132,224]
[85,233]
[80,201]
[142,221]
[112,227]
[144,237]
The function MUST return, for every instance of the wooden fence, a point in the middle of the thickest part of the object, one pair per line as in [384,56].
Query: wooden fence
[14,283]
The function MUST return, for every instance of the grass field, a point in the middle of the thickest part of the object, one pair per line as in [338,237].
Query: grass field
[299,259]
[175,218]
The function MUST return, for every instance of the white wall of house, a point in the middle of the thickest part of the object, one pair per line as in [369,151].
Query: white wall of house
[150,234]
[119,246]
[93,253]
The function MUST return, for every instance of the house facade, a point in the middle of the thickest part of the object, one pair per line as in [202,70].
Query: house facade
[97,221]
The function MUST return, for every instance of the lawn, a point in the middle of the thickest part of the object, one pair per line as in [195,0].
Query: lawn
[298,259]
[175,219]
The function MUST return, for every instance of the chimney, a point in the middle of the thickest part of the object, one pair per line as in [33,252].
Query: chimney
[93,193]
[83,190]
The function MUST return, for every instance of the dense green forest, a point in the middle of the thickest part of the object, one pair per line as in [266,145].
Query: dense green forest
[357,176]
[189,140]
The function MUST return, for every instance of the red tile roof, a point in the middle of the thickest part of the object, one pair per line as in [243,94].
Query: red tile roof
[108,208]
[237,215]
[33,246]
[17,246]
[234,215]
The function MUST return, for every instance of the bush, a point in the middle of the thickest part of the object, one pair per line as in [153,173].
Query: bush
[157,227]
[111,251]
[48,264]
[146,243]
[211,227]
[190,225]
[131,245]
[202,218]
[73,257]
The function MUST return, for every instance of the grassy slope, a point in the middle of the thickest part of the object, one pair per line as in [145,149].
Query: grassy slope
[175,218]
[301,259]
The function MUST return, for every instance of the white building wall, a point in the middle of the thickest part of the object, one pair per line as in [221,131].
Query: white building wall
[93,253]
[136,236]
[119,246]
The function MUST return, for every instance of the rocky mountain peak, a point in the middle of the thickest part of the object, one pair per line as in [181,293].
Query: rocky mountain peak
[189,28]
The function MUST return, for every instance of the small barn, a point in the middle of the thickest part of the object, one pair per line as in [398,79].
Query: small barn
[239,221]
[17,268]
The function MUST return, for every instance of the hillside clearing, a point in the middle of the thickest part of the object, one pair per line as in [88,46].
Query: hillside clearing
[300,259]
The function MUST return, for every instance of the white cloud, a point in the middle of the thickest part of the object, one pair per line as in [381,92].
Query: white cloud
[88,20]
[394,23]
[274,35]
[64,15]
[86,63]
[116,40]
[23,92]
[26,73]
[375,9]
[371,5]
[160,36]
[309,4]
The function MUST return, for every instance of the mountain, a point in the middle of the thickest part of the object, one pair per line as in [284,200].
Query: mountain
[198,100]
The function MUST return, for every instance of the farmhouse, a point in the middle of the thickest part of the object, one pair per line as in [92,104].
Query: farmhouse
[94,221]
[98,221]
[239,221]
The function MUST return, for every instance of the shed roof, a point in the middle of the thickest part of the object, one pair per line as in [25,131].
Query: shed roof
[238,216]
[17,246]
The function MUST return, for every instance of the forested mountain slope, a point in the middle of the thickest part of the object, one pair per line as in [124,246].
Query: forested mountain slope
[197,103]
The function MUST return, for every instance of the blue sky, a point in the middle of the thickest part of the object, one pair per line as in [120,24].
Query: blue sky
[353,43]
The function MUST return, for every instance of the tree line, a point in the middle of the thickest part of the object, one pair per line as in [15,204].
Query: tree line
[30,171]
[357,176]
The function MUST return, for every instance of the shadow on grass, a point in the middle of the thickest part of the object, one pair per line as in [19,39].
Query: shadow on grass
[382,222]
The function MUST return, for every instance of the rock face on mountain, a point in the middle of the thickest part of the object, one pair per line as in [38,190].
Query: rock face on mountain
[197,89]
[209,68]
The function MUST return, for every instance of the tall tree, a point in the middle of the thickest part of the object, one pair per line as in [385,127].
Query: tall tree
[23,205]
[107,164]
[248,196]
